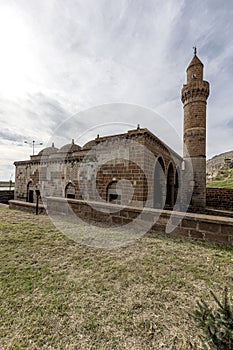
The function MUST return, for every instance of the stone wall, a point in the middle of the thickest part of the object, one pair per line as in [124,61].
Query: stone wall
[6,195]
[26,206]
[219,198]
[196,226]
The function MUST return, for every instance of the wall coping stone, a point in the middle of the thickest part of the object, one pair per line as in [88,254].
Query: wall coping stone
[193,216]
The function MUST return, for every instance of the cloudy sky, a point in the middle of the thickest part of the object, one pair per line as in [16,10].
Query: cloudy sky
[61,60]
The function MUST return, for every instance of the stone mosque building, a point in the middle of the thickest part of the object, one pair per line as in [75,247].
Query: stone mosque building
[135,168]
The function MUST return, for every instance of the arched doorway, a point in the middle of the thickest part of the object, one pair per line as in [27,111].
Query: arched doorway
[70,190]
[30,192]
[176,189]
[170,187]
[159,184]
[113,196]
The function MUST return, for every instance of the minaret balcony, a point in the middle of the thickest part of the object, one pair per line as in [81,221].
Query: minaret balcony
[194,90]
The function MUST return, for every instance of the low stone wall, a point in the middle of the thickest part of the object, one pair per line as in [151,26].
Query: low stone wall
[219,198]
[6,195]
[26,206]
[197,226]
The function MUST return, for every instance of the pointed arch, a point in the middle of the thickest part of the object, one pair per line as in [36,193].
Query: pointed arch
[30,192]
[170,187]
[70,190]
[159,184]
[113,195]
[177,185]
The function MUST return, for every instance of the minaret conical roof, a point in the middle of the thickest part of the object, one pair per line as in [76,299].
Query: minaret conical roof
[195,61]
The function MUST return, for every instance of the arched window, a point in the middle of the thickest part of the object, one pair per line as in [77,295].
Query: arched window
[113,196]
[159,184]
[30,192]
[170,187]
[70,190]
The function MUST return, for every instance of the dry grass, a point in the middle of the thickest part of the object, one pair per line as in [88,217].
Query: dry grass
[57,294]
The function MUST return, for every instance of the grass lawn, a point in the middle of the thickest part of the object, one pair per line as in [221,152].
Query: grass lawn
[58,294]
[220,184]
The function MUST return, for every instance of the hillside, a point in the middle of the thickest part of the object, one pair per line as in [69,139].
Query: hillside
[219,161]
[220,170]
[223,178]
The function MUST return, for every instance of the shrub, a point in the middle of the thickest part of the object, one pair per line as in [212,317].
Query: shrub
[216,324]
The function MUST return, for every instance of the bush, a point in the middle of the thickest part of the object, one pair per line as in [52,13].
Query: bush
[216,324]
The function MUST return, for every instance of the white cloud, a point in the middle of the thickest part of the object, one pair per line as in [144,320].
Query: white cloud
[60,58]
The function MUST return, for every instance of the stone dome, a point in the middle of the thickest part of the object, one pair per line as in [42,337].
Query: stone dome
[89,145]
[70,148]
[48,151]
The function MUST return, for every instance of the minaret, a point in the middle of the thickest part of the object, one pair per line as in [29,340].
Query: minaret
[194,97]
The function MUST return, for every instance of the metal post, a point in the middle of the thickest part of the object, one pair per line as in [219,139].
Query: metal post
[33,145]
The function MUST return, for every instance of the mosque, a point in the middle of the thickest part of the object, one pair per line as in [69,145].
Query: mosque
[135,168]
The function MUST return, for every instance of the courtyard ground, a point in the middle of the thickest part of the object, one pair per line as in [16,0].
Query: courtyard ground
[58,294]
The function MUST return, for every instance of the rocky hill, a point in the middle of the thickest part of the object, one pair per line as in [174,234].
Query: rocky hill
[220,161]
[220,170]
